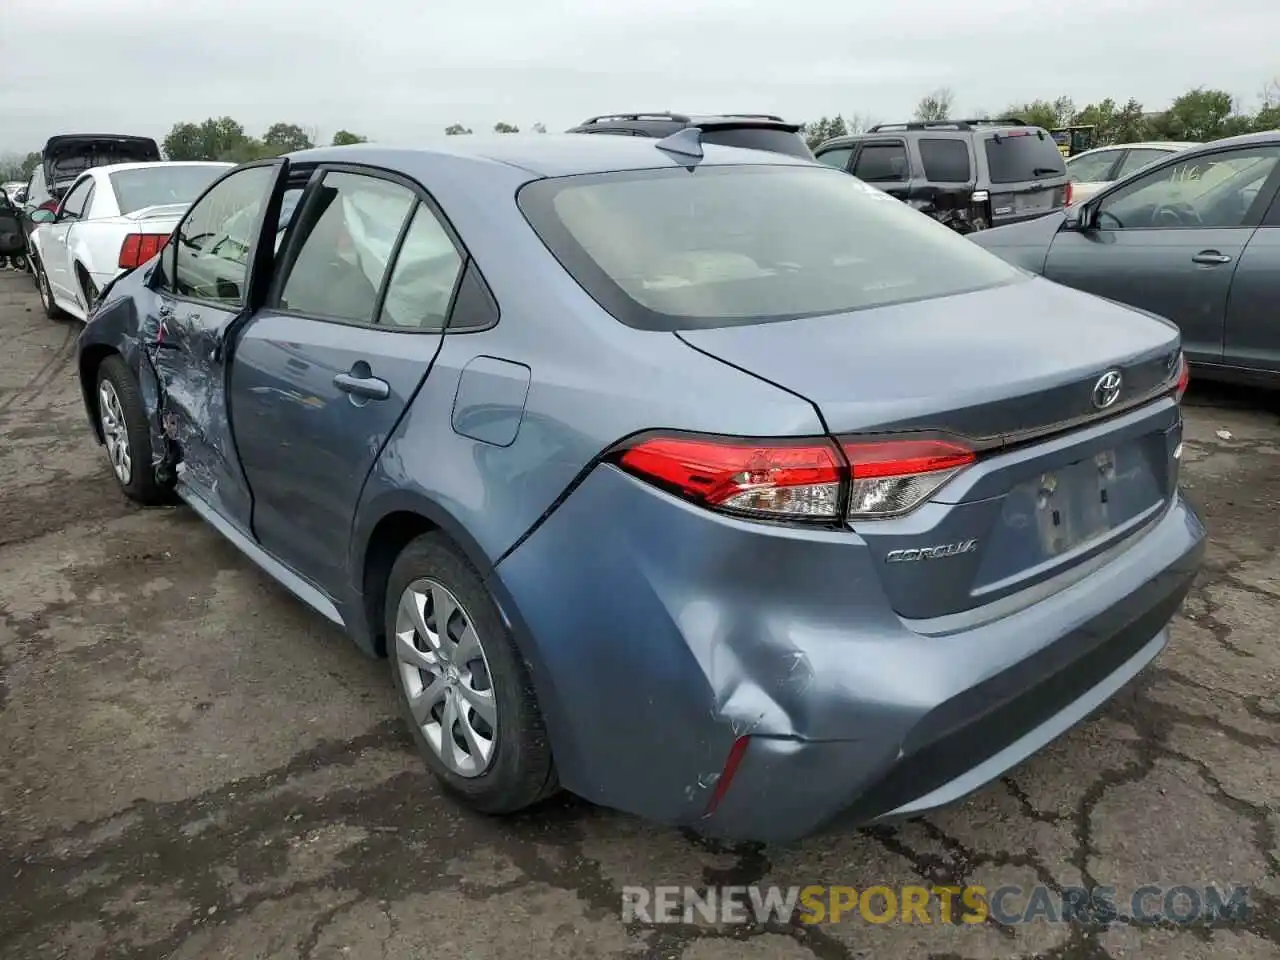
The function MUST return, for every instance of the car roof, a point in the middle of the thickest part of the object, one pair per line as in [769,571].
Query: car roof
[1265,138]
[542,154]
[1172,146]
[118,167]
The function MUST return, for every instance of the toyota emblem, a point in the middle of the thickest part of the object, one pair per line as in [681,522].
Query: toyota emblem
[1107,390]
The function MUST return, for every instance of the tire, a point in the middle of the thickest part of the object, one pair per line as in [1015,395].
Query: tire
[126,421]
[51,309]
[19,262]
[517,771]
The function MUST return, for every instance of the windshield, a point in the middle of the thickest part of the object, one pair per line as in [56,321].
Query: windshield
[677,249]
[163,184]
[1020,156]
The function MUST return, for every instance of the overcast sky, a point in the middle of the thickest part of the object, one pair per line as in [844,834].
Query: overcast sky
[400,70]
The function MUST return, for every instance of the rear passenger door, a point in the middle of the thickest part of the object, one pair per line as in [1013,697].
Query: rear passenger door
[323,374]
[1252,337]
[883,164]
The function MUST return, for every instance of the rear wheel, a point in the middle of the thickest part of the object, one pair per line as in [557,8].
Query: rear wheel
[51,309]
[87,287]
[126,434]
[463,687]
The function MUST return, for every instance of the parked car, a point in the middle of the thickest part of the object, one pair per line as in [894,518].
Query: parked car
[1194,238]
[757,131]
[716,488]
[112,219]
[66,156]
[969,174]
[12,244]
[1092,170]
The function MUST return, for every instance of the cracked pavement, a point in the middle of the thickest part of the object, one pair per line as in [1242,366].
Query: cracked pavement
[196,766]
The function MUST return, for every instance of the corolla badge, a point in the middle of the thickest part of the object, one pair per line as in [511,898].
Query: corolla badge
[931,553]
[1107,390]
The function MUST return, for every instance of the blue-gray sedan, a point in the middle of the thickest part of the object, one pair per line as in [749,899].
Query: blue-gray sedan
[708,484]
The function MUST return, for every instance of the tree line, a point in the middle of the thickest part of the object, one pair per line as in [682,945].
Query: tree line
[1198,115]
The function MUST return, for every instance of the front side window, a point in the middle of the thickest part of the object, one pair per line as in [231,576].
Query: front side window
[1093,168]
[352,224]
[1210,190]
[214,241]
[77,200]
[882,162]
[424,277]
[672,249]
[837,157]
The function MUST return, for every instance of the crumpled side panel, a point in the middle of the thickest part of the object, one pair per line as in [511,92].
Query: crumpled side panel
[186,395]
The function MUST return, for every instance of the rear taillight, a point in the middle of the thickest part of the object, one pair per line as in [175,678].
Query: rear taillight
[800,480]
[138,248]
[776,479]
[1184,377]
[891,477]
[1066,196]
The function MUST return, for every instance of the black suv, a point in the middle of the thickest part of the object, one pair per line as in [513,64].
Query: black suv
[758,131]
[969,174]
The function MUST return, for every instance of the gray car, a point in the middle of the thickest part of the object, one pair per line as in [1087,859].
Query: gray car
[1194,239]
[710,484]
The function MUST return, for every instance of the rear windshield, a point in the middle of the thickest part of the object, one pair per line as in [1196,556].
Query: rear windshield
[675,249]
[756,138]
[1023,156]
[152,186]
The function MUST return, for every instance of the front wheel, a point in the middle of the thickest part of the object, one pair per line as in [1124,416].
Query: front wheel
[51,309]
[125,433]
[463,687]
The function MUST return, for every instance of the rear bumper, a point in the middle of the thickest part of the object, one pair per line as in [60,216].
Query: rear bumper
[659,634]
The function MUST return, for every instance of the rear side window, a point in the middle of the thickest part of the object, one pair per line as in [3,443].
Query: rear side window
[879,162]
[757,138]
[671,249]
[1137,159]
[837,157]
[946,159]
[354,223]
[1021,156]
[424,277]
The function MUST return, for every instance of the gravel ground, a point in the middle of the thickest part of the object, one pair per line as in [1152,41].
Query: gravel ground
[196,766]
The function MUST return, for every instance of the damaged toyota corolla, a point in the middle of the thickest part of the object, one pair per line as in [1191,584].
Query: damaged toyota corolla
[708,484]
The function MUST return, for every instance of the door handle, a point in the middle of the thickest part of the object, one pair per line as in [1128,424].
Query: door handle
[1210,256]
[371,388]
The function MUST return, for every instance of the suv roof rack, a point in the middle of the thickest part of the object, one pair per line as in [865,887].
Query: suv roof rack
[949,124]
[646,115]
[747,116]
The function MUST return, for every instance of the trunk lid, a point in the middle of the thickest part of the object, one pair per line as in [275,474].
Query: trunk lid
[160,211]
[1013,370]
[66,157]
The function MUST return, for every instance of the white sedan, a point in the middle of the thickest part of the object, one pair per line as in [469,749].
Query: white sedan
[112,218]
[1092,170]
